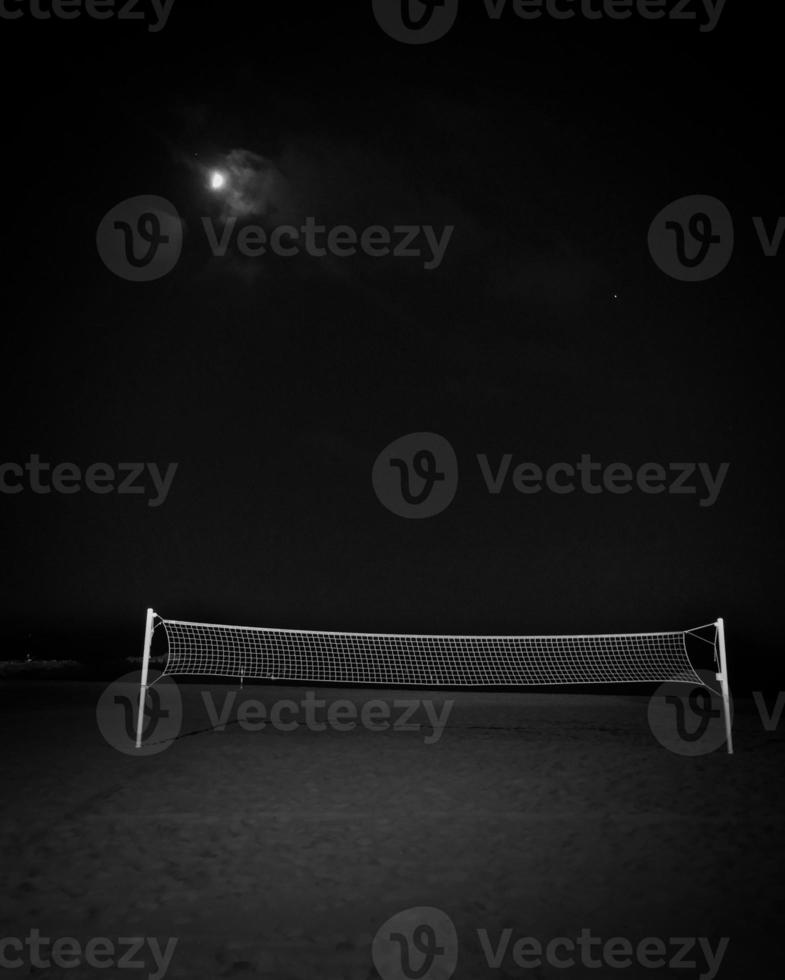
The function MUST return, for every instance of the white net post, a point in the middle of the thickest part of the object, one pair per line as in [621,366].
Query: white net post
[148,639]
[722,677]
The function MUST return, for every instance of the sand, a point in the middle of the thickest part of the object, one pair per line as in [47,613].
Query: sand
[271,854]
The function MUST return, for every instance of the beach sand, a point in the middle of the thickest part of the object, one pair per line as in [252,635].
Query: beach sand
[272,854]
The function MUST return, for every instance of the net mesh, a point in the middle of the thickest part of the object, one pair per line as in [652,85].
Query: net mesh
[432,661]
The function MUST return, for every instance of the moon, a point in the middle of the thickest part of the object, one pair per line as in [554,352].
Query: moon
[217,180]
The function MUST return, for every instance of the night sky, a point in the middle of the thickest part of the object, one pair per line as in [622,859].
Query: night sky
[547,332]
